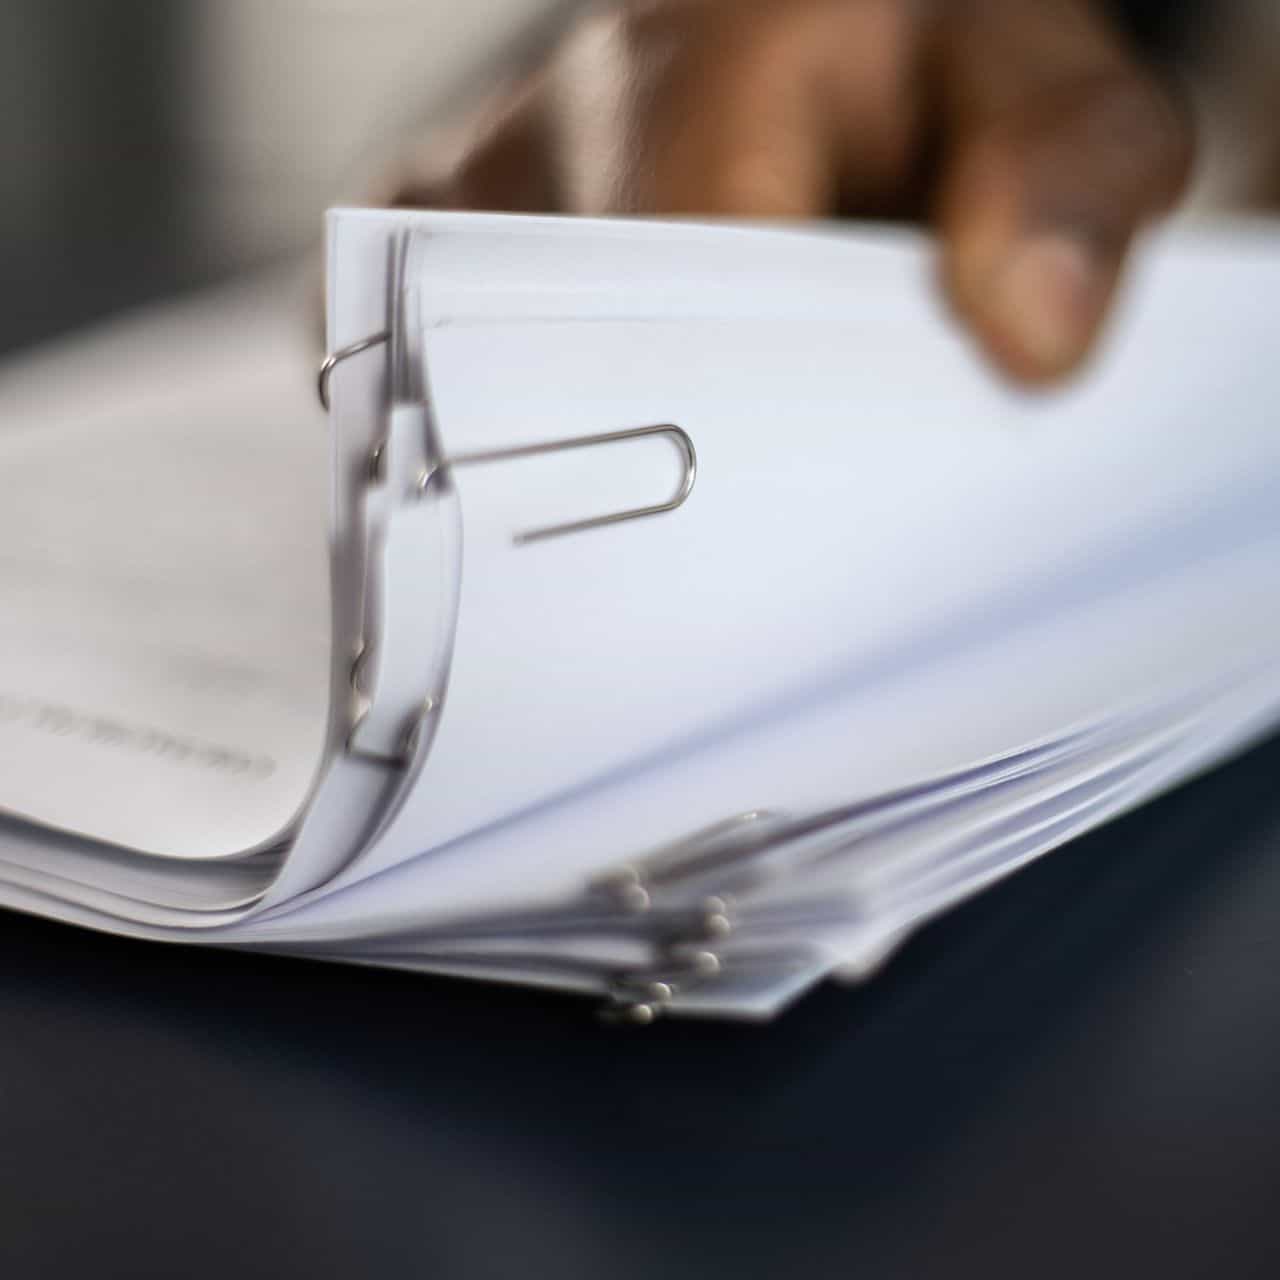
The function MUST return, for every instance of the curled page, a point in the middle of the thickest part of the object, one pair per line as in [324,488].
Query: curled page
[701,615]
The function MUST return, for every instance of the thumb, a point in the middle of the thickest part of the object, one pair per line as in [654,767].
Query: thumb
[1057,148]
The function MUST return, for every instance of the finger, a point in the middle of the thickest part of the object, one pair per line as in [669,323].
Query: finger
[769,109]
[772,109]
[1058,148]
[680,112]
[510,163]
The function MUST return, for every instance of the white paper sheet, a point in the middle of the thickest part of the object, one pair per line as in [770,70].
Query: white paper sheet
[986,620]
[164,654]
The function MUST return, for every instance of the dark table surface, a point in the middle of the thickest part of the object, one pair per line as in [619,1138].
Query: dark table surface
[1077,1073]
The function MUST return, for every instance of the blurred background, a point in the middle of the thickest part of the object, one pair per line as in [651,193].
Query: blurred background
[148,146]
[156,145]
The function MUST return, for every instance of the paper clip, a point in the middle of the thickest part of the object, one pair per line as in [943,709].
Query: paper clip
[678,435]
[401,732]
[331,362]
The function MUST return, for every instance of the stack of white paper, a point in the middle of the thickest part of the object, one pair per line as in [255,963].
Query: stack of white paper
[743,724]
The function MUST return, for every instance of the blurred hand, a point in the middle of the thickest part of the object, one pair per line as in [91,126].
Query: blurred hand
[1024,130]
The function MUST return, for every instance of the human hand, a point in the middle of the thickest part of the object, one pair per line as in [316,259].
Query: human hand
[1027,134]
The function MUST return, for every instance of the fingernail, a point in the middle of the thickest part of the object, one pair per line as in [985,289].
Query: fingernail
[1049,297]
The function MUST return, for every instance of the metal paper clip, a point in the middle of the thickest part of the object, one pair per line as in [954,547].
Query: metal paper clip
[640,997]
[676,434]
[407,389]
[331,362]
[724,846]
[688,934]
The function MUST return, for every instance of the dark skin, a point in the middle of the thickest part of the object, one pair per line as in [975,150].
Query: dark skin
[1025,132]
